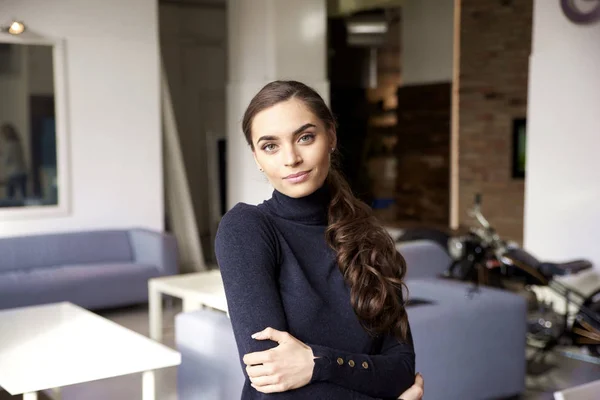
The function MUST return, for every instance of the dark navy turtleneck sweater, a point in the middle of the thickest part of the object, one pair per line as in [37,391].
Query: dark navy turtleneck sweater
[279,272]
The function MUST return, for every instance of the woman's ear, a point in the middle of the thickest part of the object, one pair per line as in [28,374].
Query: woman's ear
[332,139]
[256,161]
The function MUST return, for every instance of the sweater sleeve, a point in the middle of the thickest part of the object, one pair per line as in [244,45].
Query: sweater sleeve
[247,254]
[384,375]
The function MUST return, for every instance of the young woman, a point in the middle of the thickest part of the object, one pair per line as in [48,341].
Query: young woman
[313,282]
[12,161]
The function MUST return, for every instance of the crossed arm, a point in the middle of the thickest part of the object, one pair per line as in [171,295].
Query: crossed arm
[248,270]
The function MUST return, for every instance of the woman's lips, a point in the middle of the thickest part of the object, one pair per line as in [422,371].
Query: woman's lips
[297,178]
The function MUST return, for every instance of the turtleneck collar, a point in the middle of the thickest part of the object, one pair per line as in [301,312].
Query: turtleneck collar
[311,209]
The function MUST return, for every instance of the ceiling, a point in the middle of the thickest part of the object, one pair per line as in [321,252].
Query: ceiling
[335,8]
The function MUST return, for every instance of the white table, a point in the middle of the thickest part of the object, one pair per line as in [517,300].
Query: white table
[197,290]
[55,345]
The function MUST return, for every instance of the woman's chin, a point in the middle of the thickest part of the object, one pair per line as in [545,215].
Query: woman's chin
[297,190]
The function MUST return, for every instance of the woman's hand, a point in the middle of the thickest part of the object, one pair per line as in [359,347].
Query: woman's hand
[285,367]
[415,392]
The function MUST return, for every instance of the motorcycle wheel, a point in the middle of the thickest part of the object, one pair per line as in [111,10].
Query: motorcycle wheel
[593,304]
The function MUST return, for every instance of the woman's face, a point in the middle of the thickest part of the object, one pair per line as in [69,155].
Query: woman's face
[292,147]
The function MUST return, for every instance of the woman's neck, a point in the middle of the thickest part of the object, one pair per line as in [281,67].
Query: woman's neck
[311,209]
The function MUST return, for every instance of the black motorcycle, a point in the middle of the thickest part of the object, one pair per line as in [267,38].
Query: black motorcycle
[482,257]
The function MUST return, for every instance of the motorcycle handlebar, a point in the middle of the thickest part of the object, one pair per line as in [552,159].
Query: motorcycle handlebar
[484,222]
[476,212]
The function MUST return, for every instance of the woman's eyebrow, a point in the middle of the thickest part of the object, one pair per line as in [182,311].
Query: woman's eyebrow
[297,131]
[303,128]
[269,138]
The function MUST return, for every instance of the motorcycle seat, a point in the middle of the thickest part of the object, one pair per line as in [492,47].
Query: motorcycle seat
[565,268]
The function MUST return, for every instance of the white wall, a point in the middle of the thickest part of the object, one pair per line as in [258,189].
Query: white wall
[427,41]
[113,111]
[268,40]
[562,196]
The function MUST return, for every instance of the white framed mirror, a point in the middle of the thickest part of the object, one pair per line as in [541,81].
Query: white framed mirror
[34,162]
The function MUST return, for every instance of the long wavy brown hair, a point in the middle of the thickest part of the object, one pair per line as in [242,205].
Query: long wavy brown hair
[366,253]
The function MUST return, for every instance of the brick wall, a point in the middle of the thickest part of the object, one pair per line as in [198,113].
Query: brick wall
[423,154]
[495,40]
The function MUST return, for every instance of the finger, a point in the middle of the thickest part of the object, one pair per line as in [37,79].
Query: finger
[269,388]
[271,334]
[259,370]
[259,357]
[266,380]
[419,381]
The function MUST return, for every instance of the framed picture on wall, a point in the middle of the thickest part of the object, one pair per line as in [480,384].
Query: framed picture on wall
[519,147]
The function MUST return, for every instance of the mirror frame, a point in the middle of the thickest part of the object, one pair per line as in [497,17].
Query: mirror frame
[62,132]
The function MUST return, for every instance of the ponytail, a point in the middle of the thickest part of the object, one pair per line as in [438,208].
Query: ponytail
[368,260]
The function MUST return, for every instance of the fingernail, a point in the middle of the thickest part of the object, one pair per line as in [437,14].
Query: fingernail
[255,335]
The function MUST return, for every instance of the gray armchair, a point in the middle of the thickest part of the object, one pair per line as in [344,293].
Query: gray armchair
[210,366]
[467,347]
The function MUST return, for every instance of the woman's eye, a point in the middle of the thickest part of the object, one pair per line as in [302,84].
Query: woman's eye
[307,138]
[269,147]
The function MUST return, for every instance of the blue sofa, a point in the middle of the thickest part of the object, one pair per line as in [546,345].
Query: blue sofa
[467,347]
[93,269]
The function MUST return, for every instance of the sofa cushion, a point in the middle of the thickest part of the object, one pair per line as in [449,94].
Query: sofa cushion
[469,346]
[89,286]
[65,249]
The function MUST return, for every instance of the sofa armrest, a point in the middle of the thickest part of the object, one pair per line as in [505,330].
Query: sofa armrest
[424,258]
[155,248]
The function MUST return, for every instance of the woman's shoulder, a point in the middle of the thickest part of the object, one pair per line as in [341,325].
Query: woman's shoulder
[242,214]
[244,218]
[245,229]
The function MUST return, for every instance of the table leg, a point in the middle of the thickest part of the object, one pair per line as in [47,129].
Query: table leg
[148,386]
[190,305]
[30,396]
[155,312]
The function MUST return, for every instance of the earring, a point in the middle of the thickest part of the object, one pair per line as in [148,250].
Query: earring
[261,170]
[332,149]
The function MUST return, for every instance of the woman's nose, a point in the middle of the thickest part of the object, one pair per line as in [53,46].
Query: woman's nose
[292,157]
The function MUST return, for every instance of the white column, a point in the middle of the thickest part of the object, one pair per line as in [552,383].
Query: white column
[562,190]
[268,40]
